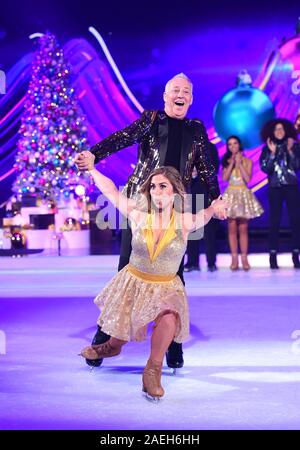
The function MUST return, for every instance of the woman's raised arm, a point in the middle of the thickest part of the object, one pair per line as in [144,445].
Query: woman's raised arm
[108,188]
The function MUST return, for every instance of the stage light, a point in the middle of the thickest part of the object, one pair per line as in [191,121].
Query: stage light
[34,35]
[80,190]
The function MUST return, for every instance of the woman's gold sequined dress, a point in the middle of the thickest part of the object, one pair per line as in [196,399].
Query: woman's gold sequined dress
[147,287]
[242,203]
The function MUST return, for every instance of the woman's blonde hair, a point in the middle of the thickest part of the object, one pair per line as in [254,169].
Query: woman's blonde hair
[174,178]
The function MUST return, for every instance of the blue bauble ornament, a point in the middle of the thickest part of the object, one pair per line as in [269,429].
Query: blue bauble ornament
[242,112]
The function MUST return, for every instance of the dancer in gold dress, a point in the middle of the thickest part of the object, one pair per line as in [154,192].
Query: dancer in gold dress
[148,289]
[242,203]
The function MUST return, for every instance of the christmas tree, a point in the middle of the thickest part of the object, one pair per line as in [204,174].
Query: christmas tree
[52,129]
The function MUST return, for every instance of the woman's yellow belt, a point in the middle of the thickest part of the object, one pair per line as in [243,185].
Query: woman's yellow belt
[237,186]
[150,277]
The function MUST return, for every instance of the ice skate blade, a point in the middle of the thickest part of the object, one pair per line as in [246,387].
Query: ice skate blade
[150,398]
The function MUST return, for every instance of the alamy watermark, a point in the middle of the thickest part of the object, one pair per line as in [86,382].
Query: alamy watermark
[296,84]
[2,82]
[2,343]
[111,218]
[296,344]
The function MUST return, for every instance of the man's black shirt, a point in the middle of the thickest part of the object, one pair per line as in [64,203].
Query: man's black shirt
[175,130]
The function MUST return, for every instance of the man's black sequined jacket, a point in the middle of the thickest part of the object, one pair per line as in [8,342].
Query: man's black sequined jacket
[150,131]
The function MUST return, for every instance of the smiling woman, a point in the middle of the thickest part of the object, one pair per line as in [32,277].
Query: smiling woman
[161,190]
